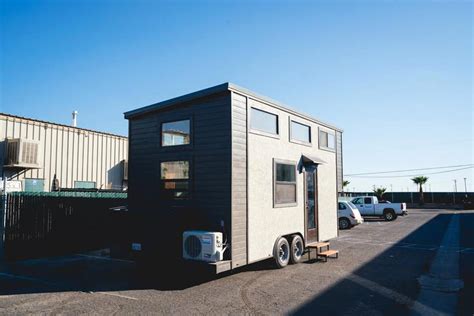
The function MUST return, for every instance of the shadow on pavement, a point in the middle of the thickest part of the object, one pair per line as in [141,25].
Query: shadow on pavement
[92,273]
[371,285]
[376,286]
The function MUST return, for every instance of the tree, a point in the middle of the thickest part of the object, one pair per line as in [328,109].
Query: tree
[379,192]
[345,183]
[420,181]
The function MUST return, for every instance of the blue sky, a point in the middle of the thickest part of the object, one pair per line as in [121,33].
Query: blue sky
[397,76]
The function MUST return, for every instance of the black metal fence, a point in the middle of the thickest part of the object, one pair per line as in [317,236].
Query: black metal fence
[39,224]
[446,198]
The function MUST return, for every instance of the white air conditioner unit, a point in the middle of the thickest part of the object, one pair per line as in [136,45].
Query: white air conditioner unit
[22,153]
[203,246]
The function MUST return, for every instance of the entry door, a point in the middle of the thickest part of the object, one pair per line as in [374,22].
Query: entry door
[311,204]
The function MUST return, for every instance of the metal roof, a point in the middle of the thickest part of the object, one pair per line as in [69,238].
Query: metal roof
[218,89]
[58,124]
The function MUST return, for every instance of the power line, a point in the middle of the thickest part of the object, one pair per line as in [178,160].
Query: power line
[411,175]
[406,170]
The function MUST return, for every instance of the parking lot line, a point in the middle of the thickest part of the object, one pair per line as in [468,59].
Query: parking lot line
[104,258]
[401,299]
[118,295]
[26,278]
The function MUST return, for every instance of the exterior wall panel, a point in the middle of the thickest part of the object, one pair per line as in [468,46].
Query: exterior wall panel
[239,180]
[265,222]
[209,154]
[339,161]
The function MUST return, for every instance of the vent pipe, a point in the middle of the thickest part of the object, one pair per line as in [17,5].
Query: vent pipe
[74,118]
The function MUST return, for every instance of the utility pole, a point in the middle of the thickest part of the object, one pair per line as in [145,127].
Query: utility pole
[432,196]
[455,190]
[465,185]
[3,216]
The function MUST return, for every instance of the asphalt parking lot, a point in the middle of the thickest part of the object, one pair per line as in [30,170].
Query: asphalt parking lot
[422,263]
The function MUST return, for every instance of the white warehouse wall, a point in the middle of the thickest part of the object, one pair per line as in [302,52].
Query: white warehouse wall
[72,153]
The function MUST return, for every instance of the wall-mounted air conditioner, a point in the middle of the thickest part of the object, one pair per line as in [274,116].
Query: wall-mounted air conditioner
[22,153]
[203,246]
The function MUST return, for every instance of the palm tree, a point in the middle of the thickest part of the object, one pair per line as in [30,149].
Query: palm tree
[345,183]
[379,192]
[420,180]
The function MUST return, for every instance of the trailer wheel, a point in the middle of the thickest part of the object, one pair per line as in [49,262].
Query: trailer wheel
[389,215]
[297,249]
[281,252]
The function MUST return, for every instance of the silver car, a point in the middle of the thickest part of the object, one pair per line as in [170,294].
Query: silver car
[349,215]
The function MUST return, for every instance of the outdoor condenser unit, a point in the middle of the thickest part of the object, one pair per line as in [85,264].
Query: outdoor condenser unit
[22,153]
[203,246]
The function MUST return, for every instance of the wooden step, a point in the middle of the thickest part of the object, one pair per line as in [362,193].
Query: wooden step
[317,245]
[328,254]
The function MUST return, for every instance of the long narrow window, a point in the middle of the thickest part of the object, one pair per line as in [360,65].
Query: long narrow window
[84,185]
[284,184]
[263,121]
[175,133]
[175,179]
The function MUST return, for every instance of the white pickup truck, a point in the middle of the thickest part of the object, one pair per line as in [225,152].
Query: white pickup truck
[370,206]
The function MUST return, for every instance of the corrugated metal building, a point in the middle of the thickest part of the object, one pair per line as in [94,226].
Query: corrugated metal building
[33,151]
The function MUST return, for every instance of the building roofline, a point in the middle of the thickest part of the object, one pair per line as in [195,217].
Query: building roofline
[58,124]
[177,100]
[221,88]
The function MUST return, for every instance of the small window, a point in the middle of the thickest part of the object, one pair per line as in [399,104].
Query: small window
[84,184]
[367,201]
[34,185]
[175,179]
[300,132]
[327,140]
[284,184]
[263,121]
[175,133]
[342,206]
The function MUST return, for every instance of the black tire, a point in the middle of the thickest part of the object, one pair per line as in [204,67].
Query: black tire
[389,215]
[297,249]
[281,252]
[344,223]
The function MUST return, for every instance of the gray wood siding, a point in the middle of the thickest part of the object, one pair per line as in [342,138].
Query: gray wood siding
[69,152]
[239,180]
[339,169]
[210,171]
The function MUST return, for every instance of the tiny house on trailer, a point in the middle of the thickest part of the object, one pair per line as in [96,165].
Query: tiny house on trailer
[229,177]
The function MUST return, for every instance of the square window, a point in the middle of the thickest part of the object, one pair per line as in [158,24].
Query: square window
[175,133]
[327,140]
[300,132]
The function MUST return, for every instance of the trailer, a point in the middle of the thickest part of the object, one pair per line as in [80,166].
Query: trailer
[226,177]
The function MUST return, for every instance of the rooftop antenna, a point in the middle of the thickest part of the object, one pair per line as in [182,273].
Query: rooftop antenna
[74,118]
